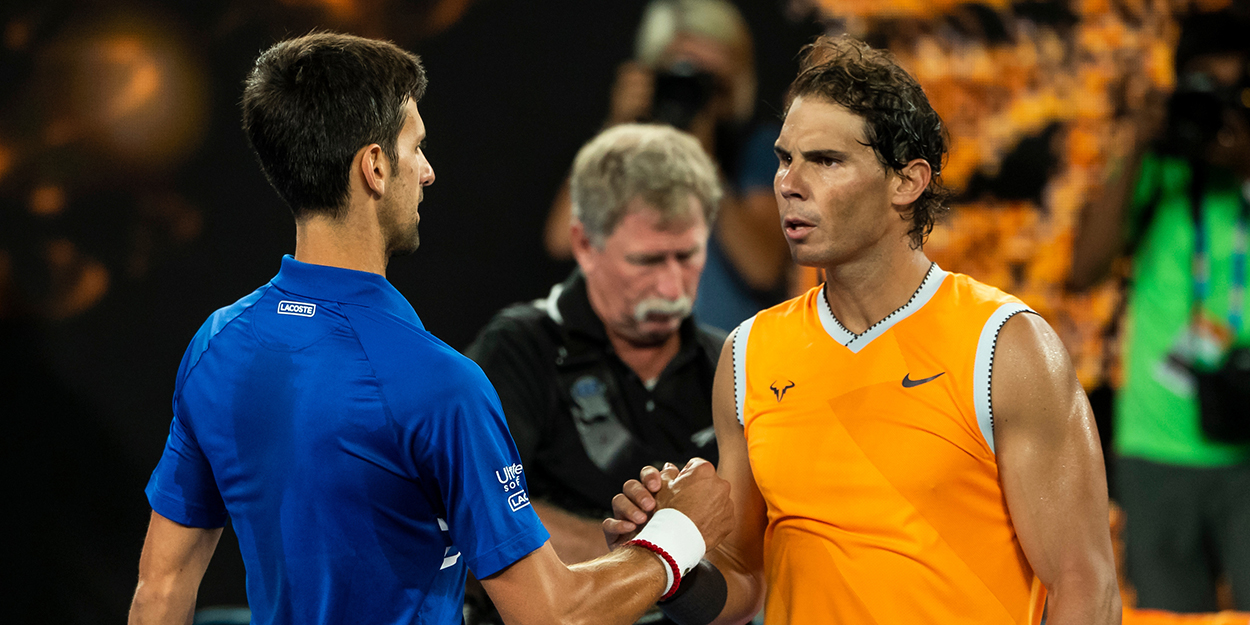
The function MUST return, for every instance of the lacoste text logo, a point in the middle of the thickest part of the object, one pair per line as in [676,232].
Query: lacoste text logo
[518,500]
[780,393]
[909,383]
[296,308]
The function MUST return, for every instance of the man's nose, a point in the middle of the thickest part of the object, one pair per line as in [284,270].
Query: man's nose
[669,283]
[428,178]
[787,184]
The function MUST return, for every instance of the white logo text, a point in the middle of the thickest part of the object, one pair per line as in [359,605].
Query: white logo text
[296,308]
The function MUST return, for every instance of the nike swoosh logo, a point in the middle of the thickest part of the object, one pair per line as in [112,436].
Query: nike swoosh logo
[909,383]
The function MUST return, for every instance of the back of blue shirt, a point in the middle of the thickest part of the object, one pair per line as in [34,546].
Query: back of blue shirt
[362,461]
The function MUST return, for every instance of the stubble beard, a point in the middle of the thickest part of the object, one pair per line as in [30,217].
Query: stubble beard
[404,238]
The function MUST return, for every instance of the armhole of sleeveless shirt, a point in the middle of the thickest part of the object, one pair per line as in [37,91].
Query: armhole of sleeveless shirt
[741,335]
[983,367]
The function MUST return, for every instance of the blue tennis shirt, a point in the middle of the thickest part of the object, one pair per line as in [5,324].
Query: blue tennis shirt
[363,462]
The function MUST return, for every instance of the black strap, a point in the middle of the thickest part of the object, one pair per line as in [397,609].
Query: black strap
[1198,175]
[700,597]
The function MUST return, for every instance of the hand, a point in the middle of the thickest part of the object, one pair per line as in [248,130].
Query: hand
[632,508]
[702,496]
[695,491]
[631,94]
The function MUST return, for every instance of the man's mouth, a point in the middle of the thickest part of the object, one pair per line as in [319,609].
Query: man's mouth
[796,227]
[661,310]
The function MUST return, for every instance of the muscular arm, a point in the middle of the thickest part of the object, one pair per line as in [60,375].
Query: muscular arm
[575,538]
[740,558]
[752,239]
[539,588]
[170,569]
[1100,233]
[617,587]
[1051,469]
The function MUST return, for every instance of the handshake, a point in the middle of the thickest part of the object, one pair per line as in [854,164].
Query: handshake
[678,514]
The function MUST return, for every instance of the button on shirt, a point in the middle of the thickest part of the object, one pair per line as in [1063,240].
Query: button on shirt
[363,462]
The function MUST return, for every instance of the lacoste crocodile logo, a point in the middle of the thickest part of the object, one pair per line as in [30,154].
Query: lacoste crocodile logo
[910,383]
[780,393]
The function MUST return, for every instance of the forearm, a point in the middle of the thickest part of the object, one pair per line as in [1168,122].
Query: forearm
[171,566]
[574,538]
[753,241]
[1100,231]
[1091,598]
[162,604]
[556,230]
[614,589]
[745,594]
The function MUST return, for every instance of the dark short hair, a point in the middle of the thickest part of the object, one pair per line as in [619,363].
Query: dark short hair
[312,102]
[899,123]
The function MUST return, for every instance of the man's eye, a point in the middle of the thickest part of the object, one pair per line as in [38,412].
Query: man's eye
[647,261]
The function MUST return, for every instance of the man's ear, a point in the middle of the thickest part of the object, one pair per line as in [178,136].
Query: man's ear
[910,182]
[583,248]
[375,169]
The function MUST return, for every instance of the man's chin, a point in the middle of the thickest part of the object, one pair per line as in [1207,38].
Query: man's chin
[407,246]
[650,333]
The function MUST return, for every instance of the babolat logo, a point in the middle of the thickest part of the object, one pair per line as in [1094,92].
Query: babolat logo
[296,308]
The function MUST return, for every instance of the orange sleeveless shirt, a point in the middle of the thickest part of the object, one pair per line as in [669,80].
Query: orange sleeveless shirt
[875,456]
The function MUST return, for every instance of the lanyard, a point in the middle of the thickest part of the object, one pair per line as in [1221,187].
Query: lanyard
[1202,256]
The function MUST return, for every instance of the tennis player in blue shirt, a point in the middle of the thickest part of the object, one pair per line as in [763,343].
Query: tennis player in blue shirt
[364,464]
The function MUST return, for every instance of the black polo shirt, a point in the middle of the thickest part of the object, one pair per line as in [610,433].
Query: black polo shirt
[582,420]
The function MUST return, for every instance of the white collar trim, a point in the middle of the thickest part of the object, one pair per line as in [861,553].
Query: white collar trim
[855,342]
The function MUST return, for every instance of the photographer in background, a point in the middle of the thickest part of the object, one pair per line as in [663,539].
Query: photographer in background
[694,69]
[1178,204]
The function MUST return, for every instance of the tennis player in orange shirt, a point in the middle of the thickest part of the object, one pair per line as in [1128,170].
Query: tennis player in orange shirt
[904,444]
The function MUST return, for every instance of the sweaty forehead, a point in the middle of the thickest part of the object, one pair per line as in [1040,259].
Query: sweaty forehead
[814,123]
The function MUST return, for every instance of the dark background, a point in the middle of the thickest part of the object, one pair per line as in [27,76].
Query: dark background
[515,89]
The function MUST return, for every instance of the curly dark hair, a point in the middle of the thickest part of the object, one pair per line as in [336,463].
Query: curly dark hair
[312,102]
[899,123]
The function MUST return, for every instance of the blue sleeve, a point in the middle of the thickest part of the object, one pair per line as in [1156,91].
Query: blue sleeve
[468,451]
[182,488]
[757,165]
[454,441]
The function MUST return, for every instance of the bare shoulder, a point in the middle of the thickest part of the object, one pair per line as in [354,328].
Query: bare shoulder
[1032,375]
[724,400]
[1027,340]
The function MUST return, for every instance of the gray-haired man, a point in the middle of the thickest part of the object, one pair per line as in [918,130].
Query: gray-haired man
[609,371]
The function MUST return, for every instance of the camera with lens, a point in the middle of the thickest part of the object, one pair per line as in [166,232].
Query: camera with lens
[681,92]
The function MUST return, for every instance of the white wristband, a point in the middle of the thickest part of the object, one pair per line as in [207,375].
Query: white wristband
[674,532]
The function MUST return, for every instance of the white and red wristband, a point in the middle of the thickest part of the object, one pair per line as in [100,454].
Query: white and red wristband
[676,540]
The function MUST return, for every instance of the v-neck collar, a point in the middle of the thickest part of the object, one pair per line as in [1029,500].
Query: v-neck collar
[855,342]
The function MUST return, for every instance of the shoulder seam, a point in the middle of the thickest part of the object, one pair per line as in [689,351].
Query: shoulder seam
[983,367]
[208,343]
[386,404]
[741,335]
